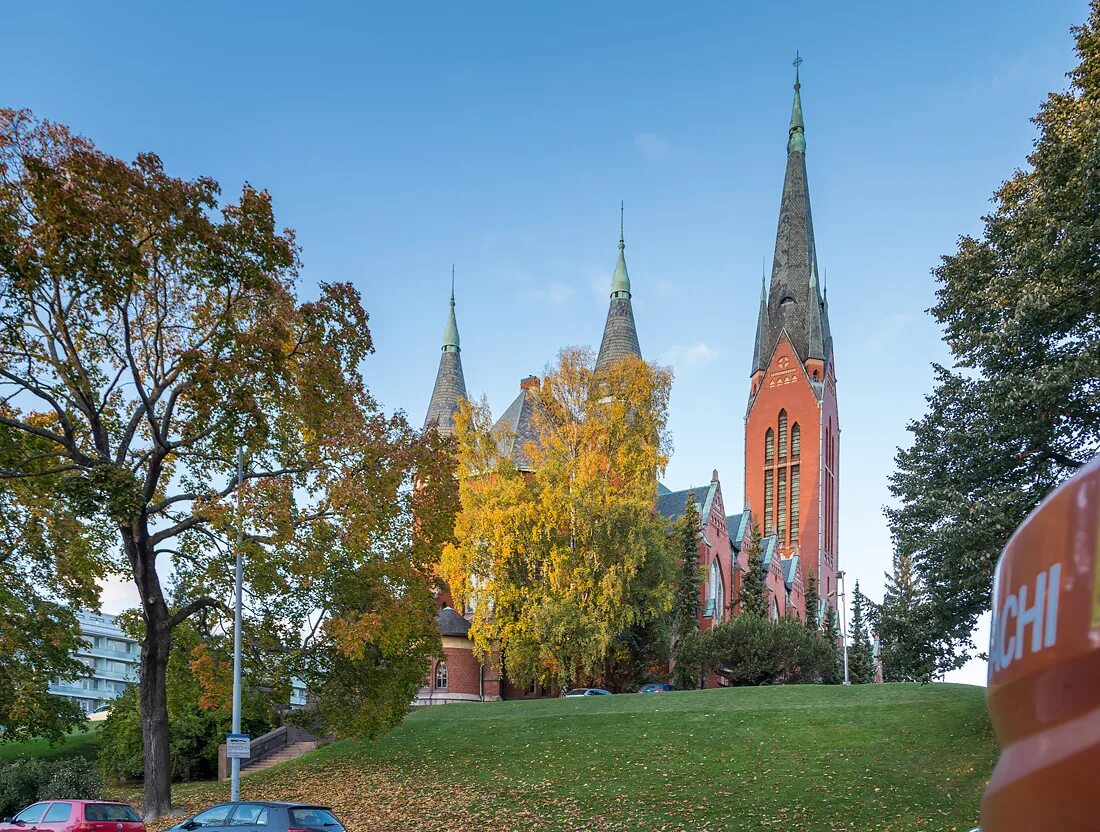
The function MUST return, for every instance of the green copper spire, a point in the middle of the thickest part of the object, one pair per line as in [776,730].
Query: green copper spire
[796,140]
[620,282]
[450,333]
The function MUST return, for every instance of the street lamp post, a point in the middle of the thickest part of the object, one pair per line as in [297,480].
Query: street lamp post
[235,763]
[839,592]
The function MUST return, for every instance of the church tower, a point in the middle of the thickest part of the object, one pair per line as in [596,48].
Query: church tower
[792,433]
[620,335]
[450,384]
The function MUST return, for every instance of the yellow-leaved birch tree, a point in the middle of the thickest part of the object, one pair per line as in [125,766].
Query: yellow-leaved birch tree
[558,549]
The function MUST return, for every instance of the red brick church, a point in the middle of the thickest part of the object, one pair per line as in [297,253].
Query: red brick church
[792,443]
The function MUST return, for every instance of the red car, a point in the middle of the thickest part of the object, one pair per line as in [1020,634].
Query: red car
[75,816]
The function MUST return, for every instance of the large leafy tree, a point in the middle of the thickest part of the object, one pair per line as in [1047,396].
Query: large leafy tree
[1020,410]
[148,330]
[685,606]
[559,560]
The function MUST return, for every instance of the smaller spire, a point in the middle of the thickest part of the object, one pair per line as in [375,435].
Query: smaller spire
[620,282]
[450,332]
[796,138]
[759,355]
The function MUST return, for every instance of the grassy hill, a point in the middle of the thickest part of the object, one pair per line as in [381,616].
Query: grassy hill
[83,742]
[893,757]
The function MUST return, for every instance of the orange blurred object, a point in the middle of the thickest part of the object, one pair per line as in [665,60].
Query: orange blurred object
[1044,667]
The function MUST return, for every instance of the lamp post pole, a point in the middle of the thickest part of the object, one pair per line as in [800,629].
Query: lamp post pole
[235,763]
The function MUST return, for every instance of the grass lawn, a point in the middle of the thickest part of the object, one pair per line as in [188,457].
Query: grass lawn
[77,744]
[893,757]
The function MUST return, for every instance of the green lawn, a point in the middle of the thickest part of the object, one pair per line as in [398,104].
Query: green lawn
[77,744]
[893,757]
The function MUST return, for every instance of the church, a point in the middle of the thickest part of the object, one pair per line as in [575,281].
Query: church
[792,446]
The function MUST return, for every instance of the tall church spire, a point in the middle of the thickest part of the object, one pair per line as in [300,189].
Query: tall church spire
[450,384]
[620,335]
[795,260]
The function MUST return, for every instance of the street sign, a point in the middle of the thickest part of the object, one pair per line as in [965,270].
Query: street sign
[238,746]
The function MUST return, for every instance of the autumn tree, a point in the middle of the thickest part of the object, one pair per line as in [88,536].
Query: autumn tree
[558,548]
[1019,409]
[754,589]
[147,331]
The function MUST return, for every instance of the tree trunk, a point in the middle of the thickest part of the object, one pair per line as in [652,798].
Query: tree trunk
[157,801]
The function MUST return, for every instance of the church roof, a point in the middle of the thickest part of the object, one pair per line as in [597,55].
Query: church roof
[516,426]
[767,550]
[794,303]
[450,383]
[620,334]
[738,525]
[790,570]
[672,504]
[451,623]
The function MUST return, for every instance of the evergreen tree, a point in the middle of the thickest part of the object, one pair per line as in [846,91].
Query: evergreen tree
[1016,410]
[861,668]
[831,632]
[685,609]
[812,600]
[902,625]
[754,591]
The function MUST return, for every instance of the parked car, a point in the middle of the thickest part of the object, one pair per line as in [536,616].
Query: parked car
[75,816]
[263,816]
[587,692]
[657,687]
[100,713]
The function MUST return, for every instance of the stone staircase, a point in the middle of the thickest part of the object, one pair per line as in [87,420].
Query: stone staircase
[291,752]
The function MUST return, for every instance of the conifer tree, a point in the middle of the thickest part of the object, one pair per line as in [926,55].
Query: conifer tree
[812,601]
[902,625]
[754,591]
[685,609]
[861,668]
[831,632]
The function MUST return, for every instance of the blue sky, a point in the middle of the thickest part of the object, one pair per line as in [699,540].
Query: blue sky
[399,139]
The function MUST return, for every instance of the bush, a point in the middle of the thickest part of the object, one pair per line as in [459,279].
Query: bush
[25,781]
[749,650]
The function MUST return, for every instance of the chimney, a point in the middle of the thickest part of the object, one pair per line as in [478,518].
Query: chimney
[529,383]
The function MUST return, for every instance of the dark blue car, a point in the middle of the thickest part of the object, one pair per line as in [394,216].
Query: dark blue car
[657,687]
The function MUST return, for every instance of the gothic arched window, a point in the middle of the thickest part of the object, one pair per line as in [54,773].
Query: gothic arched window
[441,675]
[769,501]
[769,447]
[782,434]
[716,599]
[795,495]
[796,441]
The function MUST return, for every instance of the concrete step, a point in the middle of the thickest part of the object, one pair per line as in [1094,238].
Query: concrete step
[291,752]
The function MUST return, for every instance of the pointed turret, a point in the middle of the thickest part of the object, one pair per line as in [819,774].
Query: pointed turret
[760,353]
[789,298]
[450,384]
[620,335]
[814,323]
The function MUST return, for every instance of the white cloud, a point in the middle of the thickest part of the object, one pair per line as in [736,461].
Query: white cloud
[650,145]
[554,294]
[683,356]
[117,594]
